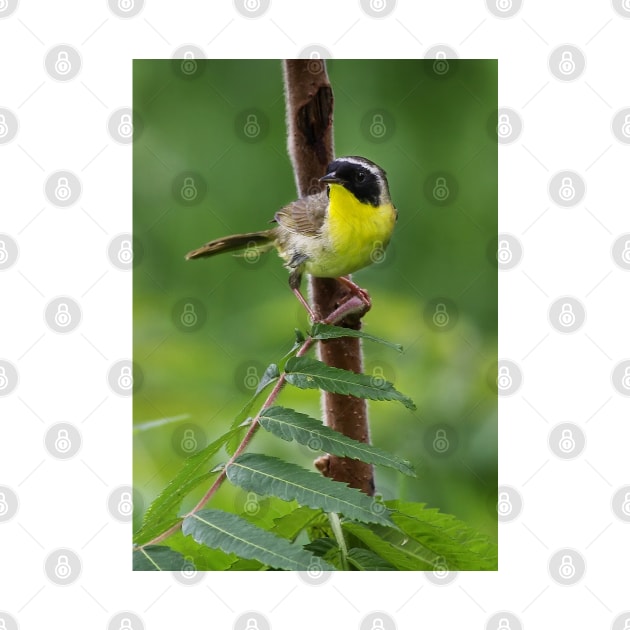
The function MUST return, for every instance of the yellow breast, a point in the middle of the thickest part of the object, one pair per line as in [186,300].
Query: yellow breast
[357,234]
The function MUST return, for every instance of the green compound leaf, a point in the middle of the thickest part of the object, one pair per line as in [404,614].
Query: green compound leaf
[292,425]
[162,513]
[366,560]
[266,475]
[325,331]
[233,534]
[159,558]
[427,539]
[307,373]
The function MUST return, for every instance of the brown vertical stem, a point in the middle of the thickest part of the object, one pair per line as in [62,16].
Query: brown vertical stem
[309,104]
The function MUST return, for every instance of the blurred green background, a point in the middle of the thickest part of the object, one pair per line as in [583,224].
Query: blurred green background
[210,159]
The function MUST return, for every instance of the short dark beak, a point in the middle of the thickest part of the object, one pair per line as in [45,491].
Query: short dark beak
[330,178]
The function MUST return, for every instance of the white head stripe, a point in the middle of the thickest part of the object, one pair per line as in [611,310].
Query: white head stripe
[369,166]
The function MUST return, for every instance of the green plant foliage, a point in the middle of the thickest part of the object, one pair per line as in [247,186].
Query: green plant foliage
[292,425]
[307,373]
[366,560]
[291,524]
[162,513]
[159,558]
[269,475]
[233,534]
[325,331]
[426,538]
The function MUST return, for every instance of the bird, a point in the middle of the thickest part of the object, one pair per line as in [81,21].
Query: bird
[329,234]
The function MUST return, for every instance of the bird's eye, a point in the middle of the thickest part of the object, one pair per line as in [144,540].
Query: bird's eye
[360,176]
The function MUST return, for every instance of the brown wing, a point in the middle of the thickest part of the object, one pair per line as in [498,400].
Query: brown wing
[304,216]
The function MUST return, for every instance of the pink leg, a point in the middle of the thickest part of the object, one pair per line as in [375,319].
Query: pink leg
[357,290]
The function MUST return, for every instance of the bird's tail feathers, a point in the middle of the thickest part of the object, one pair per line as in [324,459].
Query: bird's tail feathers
[254,241]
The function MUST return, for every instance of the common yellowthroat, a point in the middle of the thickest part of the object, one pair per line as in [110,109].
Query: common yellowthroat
[329,234]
